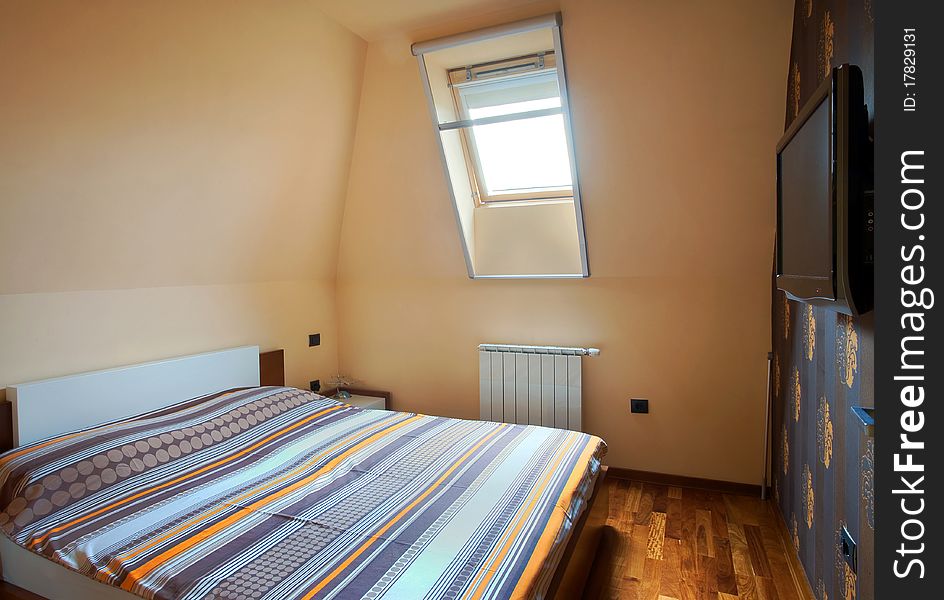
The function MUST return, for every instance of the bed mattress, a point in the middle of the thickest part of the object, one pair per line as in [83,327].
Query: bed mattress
[280,493]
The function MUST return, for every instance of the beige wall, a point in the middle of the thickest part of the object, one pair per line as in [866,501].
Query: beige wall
[172,180]
[676,110]
[536,239]
[173,176]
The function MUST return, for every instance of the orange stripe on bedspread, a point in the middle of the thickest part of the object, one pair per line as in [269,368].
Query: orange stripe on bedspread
[549,535]
[498,554]
[38,541]
[115,563]
[331,576]
[142,571]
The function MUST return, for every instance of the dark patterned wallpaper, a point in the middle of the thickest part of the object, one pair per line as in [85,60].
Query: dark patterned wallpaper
[823,360]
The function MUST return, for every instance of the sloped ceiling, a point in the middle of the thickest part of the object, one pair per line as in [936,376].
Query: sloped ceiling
[172,143]
[376,19]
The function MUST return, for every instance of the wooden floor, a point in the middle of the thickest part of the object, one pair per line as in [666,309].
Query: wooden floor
[665,542]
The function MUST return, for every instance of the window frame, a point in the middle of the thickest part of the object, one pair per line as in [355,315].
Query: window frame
[553,23]
[480,74]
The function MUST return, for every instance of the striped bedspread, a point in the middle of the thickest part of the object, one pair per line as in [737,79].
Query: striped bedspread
[279,493]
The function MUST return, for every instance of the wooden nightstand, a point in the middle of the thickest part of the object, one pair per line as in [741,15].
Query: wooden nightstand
[362,398]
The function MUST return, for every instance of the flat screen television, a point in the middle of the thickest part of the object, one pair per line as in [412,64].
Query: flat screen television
[825,217]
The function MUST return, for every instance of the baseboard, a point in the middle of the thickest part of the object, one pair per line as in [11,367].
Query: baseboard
[715,485]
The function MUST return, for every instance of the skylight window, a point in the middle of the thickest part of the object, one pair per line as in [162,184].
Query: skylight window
[498,101]
[516,145]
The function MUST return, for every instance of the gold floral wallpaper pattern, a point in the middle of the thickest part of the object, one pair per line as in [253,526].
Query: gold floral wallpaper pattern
[824,432]
[823,360]
[826,37]
[809,332]
[796,398]
[809,496]
[847,349]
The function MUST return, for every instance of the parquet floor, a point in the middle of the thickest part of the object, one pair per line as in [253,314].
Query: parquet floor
[665,543]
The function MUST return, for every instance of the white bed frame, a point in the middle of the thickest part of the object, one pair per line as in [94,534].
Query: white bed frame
[52,407]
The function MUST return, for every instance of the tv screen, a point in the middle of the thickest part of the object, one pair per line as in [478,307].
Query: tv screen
[825,218]
[806,202]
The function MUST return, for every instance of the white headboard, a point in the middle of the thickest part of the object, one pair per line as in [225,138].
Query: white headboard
[54,406]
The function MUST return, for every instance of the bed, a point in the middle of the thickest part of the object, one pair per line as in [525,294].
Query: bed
[274,492]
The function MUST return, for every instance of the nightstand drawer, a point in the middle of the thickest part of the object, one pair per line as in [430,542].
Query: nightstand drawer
[362,398]
[371,402]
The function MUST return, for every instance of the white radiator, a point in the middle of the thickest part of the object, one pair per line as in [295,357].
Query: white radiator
[531,385]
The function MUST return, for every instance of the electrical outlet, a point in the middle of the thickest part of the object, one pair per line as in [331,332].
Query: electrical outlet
[848,548]
[314,339]
[639,405]
[315,385]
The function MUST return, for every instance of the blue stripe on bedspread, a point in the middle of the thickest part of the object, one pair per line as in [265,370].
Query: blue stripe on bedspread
[275,493]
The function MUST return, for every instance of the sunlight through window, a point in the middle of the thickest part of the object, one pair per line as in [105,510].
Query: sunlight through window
[519,152]
[522,156]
